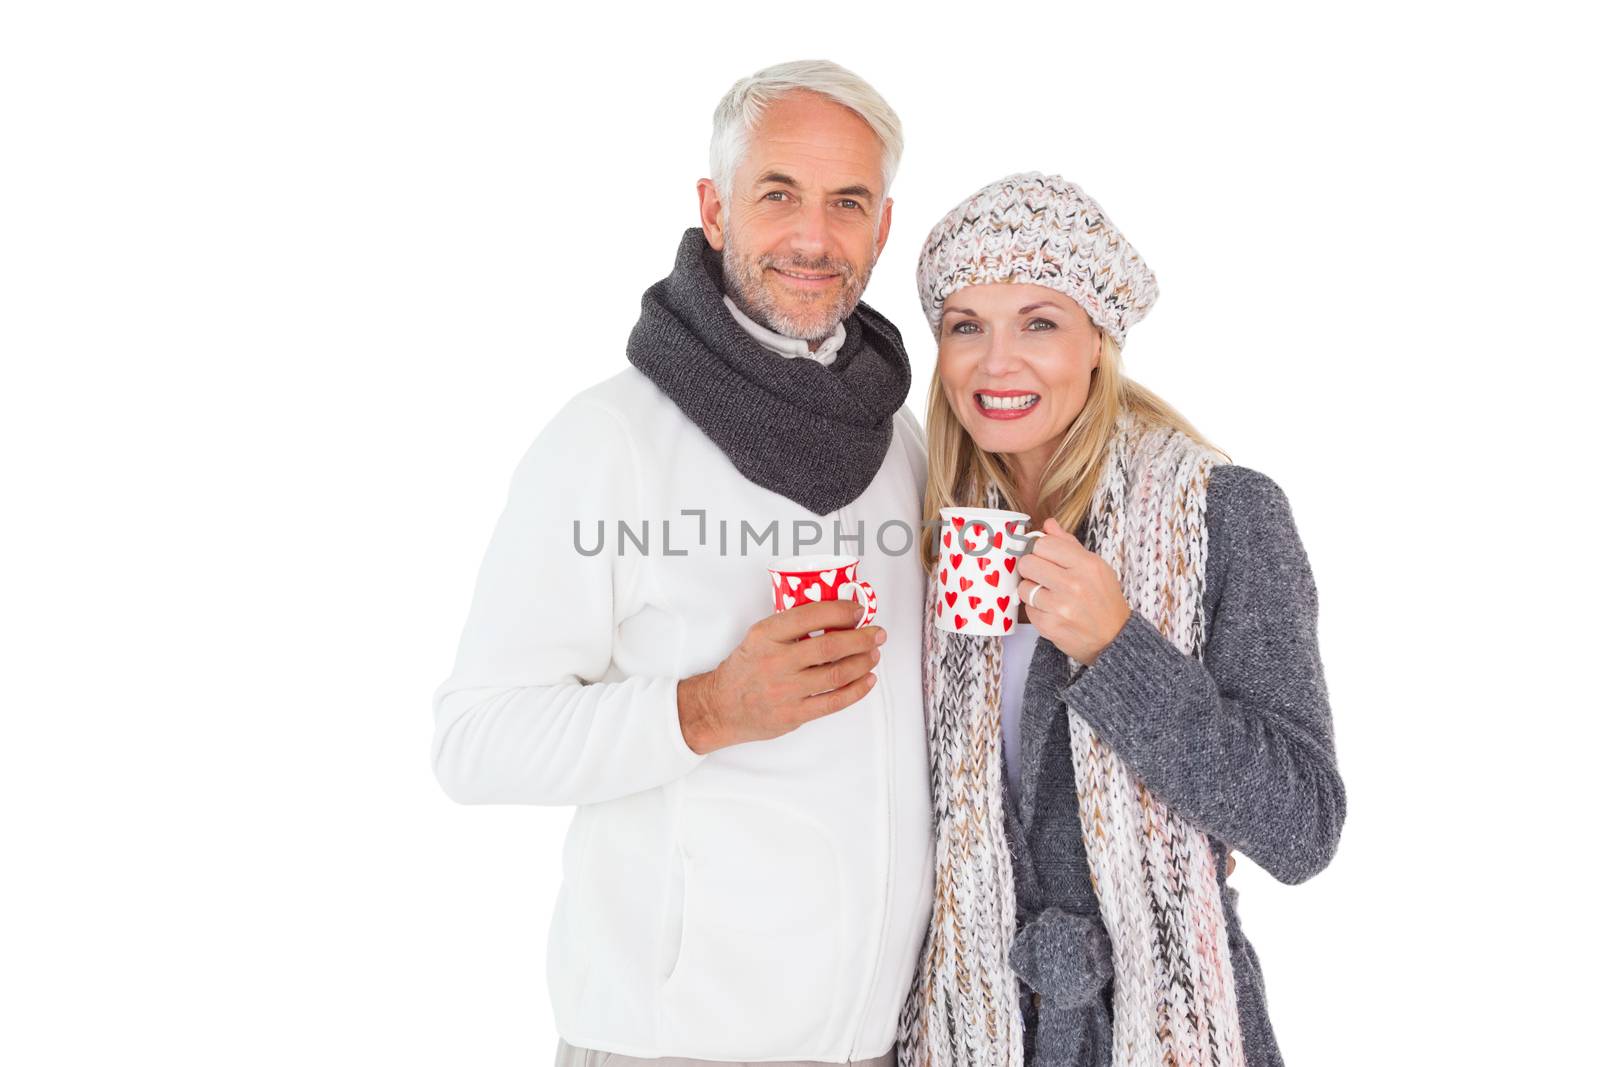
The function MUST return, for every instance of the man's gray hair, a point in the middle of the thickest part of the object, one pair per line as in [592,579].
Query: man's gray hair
[741,109]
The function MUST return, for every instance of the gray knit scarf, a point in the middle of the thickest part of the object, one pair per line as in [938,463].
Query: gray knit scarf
[814,434]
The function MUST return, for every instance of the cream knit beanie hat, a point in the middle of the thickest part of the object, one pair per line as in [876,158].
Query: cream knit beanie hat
[1037,229]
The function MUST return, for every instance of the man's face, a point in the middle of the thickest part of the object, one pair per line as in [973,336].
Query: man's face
[806,217]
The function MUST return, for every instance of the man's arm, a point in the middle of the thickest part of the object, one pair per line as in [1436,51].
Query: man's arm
[524,718]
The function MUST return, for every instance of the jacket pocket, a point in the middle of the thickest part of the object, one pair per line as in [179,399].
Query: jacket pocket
[757,974]
[676,904]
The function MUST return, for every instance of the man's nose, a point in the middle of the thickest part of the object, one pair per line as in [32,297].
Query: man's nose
[810,234]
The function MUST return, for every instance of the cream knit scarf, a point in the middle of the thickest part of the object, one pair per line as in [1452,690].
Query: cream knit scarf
[1154,874]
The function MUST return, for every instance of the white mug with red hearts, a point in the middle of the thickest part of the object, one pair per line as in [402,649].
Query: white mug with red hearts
[808,579]
[979,549]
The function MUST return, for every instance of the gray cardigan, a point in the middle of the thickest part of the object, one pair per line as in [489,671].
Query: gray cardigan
[1241,745]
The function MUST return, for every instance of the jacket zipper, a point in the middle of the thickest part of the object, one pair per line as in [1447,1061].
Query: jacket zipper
[888,870]
[888,878]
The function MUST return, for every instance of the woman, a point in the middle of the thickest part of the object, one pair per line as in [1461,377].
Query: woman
[1161,702]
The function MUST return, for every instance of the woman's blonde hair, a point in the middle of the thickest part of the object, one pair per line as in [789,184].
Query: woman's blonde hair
[958,470]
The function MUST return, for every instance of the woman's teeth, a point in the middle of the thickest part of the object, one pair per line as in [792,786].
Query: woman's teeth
[1007,403]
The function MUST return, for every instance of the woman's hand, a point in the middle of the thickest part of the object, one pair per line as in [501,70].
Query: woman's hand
[1079,606]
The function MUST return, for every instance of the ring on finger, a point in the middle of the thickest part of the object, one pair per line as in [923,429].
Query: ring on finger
[1033,593]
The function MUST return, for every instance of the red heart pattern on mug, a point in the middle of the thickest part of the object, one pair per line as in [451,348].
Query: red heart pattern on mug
[979,583]
[833,578]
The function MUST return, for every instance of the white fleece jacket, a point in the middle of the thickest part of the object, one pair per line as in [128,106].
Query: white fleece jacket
[764,902]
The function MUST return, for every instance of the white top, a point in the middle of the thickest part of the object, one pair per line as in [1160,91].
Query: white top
[788,347]
[1015,655]
[763,902]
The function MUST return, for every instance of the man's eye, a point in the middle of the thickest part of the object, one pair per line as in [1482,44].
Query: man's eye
[852,204]
[775,193]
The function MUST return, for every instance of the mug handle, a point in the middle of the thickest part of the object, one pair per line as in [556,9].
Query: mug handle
[1028,534]
[862,593]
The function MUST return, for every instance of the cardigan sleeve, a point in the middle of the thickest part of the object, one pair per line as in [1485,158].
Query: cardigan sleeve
[535,711]
[1240,743]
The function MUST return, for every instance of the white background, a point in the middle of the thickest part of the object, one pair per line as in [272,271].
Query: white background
[286,289]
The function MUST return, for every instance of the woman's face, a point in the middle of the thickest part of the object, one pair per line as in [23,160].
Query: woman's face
[1014,361]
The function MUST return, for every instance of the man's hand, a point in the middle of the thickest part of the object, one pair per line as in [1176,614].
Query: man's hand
[776,681]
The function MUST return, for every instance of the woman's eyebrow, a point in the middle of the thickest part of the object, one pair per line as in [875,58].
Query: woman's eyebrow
[1040,304]
[963,311]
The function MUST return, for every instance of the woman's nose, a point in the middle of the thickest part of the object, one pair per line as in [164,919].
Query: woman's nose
[1000,357]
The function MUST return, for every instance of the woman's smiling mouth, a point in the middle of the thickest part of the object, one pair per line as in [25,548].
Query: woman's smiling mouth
[1005,404]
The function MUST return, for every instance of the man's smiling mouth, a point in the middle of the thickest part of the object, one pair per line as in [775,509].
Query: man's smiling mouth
[805,277]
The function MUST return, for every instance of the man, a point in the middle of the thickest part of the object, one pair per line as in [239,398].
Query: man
[747,876]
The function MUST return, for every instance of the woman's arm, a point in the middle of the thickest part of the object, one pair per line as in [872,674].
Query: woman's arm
[1242,744]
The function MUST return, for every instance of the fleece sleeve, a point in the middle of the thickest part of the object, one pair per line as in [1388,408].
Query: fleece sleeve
[534,711]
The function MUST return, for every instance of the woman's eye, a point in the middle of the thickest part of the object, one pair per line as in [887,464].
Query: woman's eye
[962,327]
[1039,325]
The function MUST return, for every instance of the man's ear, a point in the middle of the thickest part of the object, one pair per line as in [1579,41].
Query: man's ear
[883,226]
[711,212]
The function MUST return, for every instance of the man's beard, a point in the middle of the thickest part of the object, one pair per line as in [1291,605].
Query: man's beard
[747,285]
